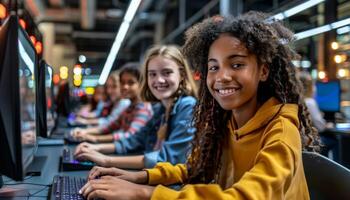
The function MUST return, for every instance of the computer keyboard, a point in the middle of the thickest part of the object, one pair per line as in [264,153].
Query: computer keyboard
[67,188]
[70,164]
[69,139]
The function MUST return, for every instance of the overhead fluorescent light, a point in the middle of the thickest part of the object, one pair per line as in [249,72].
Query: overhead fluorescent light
[122,32]
[123,29]
[312,32]
[130,13]
[340,23]
[322,29]
[343,30]
[301,7]
[296,9]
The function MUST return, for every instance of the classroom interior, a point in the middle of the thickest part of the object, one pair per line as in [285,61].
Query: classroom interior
[54,54]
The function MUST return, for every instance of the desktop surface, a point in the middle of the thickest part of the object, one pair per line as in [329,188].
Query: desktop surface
[49,171]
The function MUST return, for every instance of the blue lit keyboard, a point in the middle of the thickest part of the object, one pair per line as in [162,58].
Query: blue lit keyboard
[67,188]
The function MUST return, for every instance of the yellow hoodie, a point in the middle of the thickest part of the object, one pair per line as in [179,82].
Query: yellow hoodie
[262,161]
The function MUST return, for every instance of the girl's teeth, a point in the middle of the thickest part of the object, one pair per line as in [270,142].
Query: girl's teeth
[227,91]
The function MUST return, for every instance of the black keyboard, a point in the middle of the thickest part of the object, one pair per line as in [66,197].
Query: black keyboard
[69,139]
[70,164]
[67,188]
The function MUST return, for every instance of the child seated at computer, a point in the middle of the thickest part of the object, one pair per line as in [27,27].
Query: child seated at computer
[252,123]
[131,120]
[112,108]
[166,137]
[95,104]
[330,143]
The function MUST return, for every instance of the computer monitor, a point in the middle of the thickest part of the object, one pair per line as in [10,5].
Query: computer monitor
[18,99]
[328,97]
[45,100]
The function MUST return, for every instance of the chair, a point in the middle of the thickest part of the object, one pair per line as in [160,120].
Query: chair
[326,179]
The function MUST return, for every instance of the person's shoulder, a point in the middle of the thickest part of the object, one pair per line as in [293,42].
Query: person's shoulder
[187,100]
[284,130]
[310,101]
[184,103]
[124,101]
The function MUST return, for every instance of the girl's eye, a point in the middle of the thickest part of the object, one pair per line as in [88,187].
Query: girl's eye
[236,66]
[213,68]
[167,73]
[151,74]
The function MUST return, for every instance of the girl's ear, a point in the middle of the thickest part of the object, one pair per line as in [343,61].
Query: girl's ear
[264,72]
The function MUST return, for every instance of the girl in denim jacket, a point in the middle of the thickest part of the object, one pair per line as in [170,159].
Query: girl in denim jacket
[168,83]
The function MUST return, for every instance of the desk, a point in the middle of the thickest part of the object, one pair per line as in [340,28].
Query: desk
[50,169]
[343,137]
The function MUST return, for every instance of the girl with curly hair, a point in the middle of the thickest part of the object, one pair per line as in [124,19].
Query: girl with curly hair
[252,123]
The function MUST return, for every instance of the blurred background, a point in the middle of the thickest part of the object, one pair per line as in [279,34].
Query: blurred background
[76,36]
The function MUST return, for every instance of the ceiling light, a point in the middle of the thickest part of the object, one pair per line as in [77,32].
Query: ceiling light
[335,45]
[123,29]
[82,58]
[312,32]
[322,29]
[296,9]
[343,30]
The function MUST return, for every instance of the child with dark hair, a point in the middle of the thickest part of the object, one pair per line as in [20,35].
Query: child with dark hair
[252,123]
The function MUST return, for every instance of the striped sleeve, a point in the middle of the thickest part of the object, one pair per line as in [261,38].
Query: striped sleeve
[142,116]
[113,125]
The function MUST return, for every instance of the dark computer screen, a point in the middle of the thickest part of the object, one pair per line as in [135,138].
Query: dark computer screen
[328,96]
[18,65]
[27,87]
[45,99]
[50,110]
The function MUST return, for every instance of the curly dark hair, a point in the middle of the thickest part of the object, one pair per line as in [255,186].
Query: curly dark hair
[269,40]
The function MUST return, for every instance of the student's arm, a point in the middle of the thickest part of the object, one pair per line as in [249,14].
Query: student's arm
[180,135]
[87,121]
[103,148]
[127,162]
[140,119]
[116,112]
[270,177]
[167,174]
[100,138]
[93,130]
[135,142]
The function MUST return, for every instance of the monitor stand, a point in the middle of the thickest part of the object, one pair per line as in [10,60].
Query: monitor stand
[12,193]
[37,165]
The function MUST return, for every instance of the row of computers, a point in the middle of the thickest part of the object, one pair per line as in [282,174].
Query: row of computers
[27,108]
[26,100]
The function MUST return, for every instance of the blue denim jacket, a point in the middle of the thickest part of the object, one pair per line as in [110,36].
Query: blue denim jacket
[177,144]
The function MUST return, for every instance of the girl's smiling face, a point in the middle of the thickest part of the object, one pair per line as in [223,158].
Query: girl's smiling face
[164,77]
[233,74]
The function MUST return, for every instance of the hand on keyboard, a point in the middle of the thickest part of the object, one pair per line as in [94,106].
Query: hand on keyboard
[83,135]
[135,177]
[108,187]
[81,146]
[93,156]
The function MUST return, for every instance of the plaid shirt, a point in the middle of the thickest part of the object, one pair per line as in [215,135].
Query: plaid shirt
[131,120]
